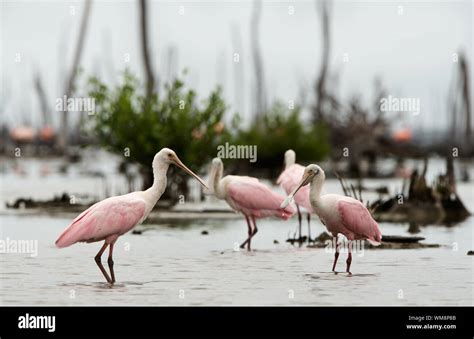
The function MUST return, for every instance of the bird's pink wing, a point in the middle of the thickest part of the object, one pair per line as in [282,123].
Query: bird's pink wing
[357,219]
[112,216]
[255,196]
[290,179]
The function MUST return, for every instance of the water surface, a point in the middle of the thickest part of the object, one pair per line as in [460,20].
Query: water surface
[172,263]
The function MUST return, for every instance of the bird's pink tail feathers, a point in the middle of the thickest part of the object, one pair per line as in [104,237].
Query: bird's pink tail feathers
[67,238]
[73,233]
[376,238]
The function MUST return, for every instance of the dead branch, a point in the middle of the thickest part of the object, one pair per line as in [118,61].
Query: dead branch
[45,109]
[64,132]
[257,60]
[150,79]
[320,86]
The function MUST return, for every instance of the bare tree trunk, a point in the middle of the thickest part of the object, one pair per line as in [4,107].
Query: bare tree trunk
[260,95]
[64,132]
[451,180]
[320,86]
[465,89]
[453,108]
[171,63]
[150,79]
[238,70]
[45,108]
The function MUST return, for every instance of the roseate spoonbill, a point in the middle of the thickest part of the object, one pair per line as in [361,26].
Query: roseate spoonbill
[248,196]
[110,218]
[289,180]
[340,214]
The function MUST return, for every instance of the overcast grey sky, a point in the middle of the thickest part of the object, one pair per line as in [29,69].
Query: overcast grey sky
[412,52]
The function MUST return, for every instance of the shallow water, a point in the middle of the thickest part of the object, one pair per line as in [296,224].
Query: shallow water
[179,266]
[174,264]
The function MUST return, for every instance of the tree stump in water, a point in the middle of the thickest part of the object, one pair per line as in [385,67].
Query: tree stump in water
[424,204]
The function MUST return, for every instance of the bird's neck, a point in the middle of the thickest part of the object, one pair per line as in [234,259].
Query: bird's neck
[315,190]
[218,190]
[159,182]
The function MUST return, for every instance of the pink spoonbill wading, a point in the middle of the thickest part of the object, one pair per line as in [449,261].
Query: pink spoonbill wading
[110,218]
[289,180]
[340,214]
[248,196]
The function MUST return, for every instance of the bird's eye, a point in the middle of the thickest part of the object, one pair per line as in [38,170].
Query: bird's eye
[169,155]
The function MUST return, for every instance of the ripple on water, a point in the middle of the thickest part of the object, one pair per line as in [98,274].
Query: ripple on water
[388,265]
[101,285]
[331,276]
[210,275]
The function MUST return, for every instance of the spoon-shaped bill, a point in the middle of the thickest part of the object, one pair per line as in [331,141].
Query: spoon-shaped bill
[180,164]
[210,180]
[287,201]
[304,181]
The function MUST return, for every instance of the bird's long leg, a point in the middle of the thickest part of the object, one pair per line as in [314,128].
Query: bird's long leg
[336,254]
[309,227]
[99,263]
[299,221]
[349,258]
[255,230]
[110,261]
[249,232]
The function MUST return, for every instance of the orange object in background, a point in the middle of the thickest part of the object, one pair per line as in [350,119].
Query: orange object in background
[402,135]
[46,134]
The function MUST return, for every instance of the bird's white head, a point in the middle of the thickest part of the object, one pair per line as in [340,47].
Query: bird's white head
[216,170]
[166,157]
[290,158]
[217,164]
[311,172]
